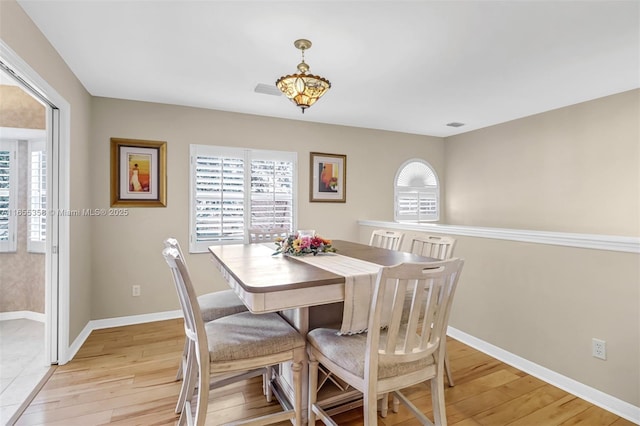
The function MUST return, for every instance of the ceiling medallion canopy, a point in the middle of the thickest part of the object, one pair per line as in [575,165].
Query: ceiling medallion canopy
[303,89]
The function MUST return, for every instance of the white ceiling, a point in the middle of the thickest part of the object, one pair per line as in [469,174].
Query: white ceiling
[408,66]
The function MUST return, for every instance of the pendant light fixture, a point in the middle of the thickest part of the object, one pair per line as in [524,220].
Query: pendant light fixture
[303,89]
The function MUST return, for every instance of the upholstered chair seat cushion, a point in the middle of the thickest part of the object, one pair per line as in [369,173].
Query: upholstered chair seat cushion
[246,335]
[220,304]
[348,352]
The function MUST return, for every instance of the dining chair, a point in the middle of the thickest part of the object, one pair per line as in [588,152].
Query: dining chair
[266,235]
[227,348]
[433,246]
[212,306]
[393,354]
[439,248]
[386,239]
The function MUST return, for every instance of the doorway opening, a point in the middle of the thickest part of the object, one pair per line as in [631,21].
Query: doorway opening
[29,326]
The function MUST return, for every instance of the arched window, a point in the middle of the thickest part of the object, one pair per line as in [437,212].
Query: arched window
[417,192]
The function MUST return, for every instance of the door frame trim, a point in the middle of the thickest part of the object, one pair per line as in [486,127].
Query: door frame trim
[58,253]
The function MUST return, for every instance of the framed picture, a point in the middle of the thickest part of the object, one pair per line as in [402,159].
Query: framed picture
[328,181]
[138,173]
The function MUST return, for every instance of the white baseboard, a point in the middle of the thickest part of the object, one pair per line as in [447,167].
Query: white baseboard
[594,396]
[30,315]
[67,355]
[134,319]
[115,322]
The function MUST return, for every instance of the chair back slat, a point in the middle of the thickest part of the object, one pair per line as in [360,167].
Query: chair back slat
[413,322]
[186,292]
[429,319]
[395,319]
[417,334]
[266,235]
[433,246]
[386,239]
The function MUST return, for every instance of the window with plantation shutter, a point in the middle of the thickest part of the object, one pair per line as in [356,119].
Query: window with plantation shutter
[234,189]
[8,195]
[417,192]
[37,222]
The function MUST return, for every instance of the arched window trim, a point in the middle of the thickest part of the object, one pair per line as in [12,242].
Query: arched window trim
[416,203]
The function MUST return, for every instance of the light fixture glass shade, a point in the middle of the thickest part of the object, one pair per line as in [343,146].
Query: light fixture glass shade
[303,89]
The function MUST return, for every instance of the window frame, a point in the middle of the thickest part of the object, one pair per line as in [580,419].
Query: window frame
[11,244]
[247,155]
[37,245]
[421,192]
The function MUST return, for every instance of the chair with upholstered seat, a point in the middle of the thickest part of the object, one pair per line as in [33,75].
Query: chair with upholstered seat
[386,239]
[394,353]
[439,248]
[212,306]
[226,348]
[216,304]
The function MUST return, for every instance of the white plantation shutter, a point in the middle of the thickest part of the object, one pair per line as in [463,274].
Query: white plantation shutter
[271,191]
[415,205]
[8,188]
[233,189]
[219,197]
[417,192]
[37,228]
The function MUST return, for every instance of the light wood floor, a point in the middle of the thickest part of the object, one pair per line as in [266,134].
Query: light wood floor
[126,376]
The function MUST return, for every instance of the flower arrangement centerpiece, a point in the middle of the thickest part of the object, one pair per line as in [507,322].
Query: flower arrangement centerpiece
[300,245]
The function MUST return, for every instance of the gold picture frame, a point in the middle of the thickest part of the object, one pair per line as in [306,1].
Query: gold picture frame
[328,178]
[138,173]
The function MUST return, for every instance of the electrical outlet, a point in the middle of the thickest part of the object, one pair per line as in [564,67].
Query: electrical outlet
[599,348]
[135,290]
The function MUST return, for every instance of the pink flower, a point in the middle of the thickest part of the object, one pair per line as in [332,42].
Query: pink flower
[305,242]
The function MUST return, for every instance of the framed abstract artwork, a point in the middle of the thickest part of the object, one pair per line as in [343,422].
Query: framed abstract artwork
[138,173]
[328,180]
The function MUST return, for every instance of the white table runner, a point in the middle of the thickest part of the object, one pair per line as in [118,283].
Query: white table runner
[360,281]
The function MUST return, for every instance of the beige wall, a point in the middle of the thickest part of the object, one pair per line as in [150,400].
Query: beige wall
[18,109]
[575,169]
[545,304]
[24,38]
[126,250]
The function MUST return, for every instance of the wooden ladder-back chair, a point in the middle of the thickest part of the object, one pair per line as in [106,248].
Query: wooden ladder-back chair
[386,239]
[226,348]
[212,306]
[433,246]
[394,353]
[439,248]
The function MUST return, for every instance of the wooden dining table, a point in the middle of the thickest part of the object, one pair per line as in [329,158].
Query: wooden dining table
[268,282]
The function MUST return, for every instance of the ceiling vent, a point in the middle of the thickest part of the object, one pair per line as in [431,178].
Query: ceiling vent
[455,124]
